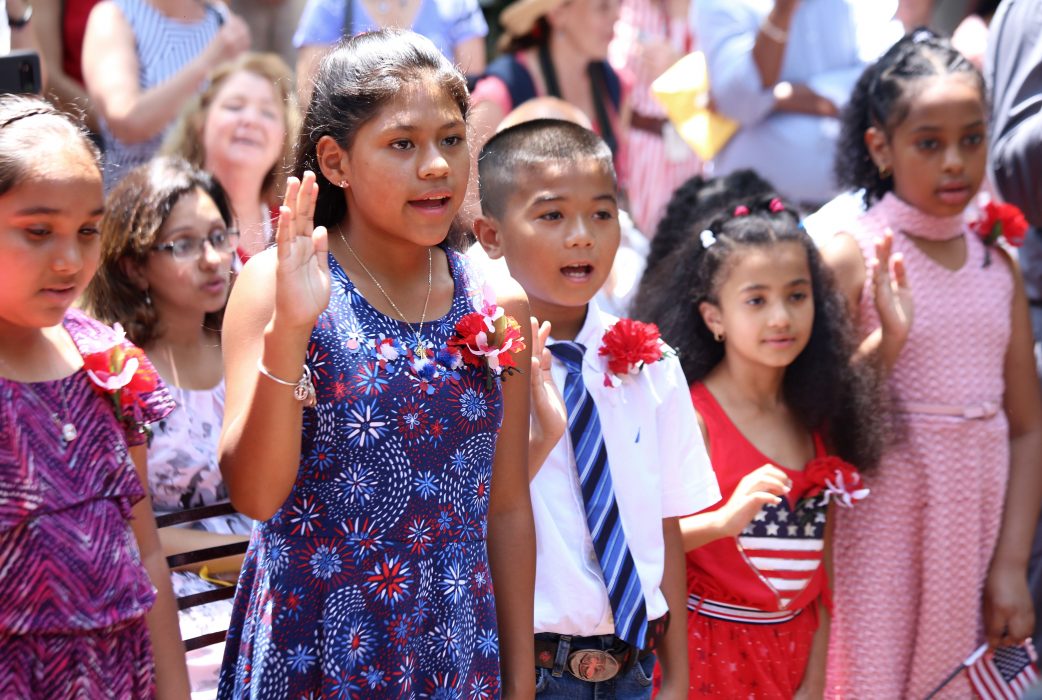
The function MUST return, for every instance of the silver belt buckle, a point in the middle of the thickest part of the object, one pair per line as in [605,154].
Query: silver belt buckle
[592,665]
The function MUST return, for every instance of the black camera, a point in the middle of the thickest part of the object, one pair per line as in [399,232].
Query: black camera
[20,72]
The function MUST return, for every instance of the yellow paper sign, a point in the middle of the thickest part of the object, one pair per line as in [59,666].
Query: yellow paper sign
[683,91]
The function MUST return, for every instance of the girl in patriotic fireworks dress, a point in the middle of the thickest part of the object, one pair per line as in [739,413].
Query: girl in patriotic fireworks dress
[954,502]
[87,610]
[763,338]
[368,574]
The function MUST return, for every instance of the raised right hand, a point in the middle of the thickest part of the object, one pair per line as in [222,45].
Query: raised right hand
[302,275]
[549,414]
[758,488]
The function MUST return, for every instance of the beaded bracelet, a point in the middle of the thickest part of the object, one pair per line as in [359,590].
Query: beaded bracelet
[303,388]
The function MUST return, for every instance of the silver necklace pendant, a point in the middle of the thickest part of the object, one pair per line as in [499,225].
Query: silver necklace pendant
[69,432]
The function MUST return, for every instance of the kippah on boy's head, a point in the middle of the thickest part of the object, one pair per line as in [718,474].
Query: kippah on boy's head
[520,150]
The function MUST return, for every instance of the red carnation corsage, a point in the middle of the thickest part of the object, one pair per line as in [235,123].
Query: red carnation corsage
[629,345]
[488,338]
[123,375]
[999,220]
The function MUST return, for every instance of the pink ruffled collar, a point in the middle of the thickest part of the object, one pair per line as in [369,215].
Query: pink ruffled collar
[903,217]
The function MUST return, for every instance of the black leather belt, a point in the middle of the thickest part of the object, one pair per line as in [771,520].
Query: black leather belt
[582,657]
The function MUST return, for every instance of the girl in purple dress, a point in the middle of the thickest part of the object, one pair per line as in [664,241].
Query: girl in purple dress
[86,609]
[386,464]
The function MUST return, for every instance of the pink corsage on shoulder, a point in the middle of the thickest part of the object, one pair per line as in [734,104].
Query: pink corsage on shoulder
[488,337]
[629,345]
[835,480]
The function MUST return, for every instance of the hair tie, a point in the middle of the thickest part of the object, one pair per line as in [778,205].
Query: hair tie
[776,206]
[741,210]
[708,238]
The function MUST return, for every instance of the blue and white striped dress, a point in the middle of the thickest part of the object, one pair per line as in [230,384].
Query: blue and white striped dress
[164,46]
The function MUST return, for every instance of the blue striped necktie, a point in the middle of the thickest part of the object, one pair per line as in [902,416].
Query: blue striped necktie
[602,512]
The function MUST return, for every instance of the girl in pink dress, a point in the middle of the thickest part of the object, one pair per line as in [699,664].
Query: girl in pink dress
[954,503]
[86,609]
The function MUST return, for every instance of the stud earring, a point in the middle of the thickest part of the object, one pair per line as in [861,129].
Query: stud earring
[718,337]
[343,184]
[884,172]
[148,299]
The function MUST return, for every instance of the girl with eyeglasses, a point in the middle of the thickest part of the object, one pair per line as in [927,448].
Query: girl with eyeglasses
[166,258]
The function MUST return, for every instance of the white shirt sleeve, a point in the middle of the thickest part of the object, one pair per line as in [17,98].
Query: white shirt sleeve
[688,482]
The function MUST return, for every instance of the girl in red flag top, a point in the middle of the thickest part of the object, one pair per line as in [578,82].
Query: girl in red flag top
[785,415]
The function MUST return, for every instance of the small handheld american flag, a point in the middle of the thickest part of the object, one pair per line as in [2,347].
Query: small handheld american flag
[1004,674]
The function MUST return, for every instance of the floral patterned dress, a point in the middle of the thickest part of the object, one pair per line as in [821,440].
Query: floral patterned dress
[74,592]
[372,579]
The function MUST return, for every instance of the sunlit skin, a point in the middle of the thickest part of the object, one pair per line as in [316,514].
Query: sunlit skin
[938,152]
[559,236]
[49,239]
[193,287]
[245,124]
[406,172]
[585,26]
[764,309]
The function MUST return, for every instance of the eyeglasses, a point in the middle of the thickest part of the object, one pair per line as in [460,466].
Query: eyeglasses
[191,247]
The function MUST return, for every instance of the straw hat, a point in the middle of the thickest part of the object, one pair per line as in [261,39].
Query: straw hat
[519,17]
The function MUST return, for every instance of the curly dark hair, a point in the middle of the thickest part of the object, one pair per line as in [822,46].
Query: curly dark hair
[880,99]
[695,203]
[823,387]
[135,212]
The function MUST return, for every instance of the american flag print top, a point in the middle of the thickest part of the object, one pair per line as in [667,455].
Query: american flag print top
[784,546]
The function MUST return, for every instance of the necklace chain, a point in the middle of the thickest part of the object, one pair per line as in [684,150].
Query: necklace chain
[66,428]
[420,349]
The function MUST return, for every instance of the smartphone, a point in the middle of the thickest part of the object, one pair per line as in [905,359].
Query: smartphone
[20,72]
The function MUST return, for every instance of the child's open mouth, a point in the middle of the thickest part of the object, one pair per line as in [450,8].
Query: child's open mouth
[579,272]
[435,204]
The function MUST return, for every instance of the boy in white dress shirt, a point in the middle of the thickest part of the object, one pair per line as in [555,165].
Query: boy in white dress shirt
[608,494]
